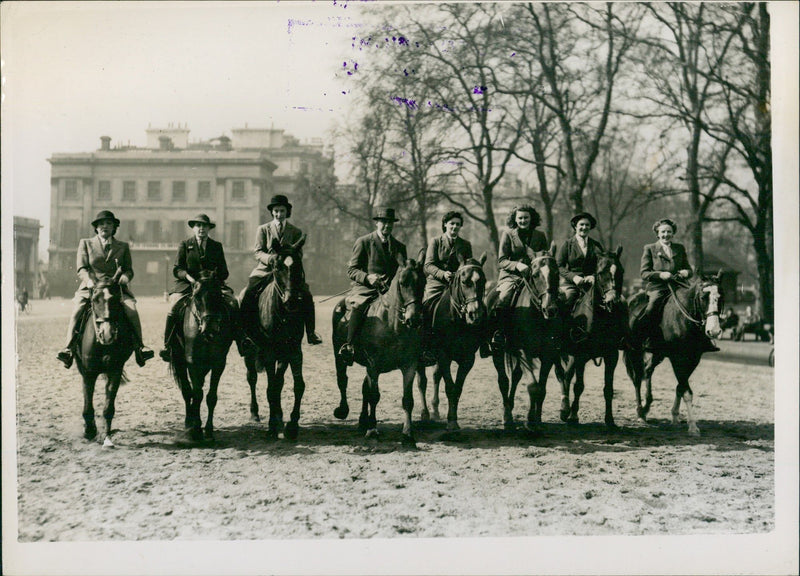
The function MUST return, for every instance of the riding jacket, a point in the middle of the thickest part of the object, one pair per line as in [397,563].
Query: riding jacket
[94,263]
[264,253]
[190,260]
[442,256]
[371,256]
[514,250]
[573,262]
[655,261]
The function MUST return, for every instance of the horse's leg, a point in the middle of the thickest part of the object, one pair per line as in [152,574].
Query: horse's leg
[112,387]
[683,366]
[437,380]
[371,398]
[252,380]
[422,386]
[363,418]
[566,379]
[299,387]
[634,365]
[610,361]
[342,410]
[194,422]
[454,389]
[274,388]
[408,404]
[651,361]
[89,425]
[503,385]
[211,398]
[577,389]
[546,363]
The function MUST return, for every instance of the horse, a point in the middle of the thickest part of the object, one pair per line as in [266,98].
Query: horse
[278,336]
[689,315]
[105,343]
[593,331]
[536,327]
[459,321]
[389,339]
[201,348]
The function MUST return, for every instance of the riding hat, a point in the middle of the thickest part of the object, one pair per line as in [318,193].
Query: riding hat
[580,216]
[279,200]
[201,219]
[386,214]
[105,215]
[666,221]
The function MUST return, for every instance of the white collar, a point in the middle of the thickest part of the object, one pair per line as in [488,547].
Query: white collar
[381,238]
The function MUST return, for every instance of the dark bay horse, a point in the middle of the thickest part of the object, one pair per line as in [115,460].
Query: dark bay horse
[105,344]
[278,337]
[390,339]
[690,314]
[593,330]
[202,347]
[459,323]
[535,336]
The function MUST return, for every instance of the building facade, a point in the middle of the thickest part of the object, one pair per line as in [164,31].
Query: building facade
[155,190]
[26,254]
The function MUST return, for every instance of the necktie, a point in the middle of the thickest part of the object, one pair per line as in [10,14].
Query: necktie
[280,230]
[201,249]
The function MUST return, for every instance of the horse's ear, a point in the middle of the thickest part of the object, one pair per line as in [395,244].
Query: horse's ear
[553,248]
[482,259]
[718,277]
[299,244]
[619,251]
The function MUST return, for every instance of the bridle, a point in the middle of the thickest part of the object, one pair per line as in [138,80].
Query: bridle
[206,317]
[458,301]
[532,282]
[609,288]
[105,290]
[400,304]
[713,303]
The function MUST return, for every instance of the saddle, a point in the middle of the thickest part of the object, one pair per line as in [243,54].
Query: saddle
[581,317]
[437,312]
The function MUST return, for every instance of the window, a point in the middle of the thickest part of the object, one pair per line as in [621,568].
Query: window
[104,190]
[237,238]
[71,190]
[154,190]
[179,231]
[69,233]
[127,231]
[179,191]
[238,190]
[129,191]
[204,190]
[152,231]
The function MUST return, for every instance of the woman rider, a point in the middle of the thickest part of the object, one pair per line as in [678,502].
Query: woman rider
[577,259]
[197,254]
[97,259]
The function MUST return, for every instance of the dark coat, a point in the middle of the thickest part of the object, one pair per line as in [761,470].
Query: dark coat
[513,250]
[263,251]
[571,260]
[440,257]
[369,257]
[655,261]
[93,262]
[189,261]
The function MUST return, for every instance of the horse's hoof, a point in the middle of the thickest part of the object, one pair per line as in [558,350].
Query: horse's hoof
[255,418]
[436,415]
[196,434]
[363,424]
[425,416]
[90,432]
[209,434]
[564,415]
[372,433]
[341,412]
[509,426]
[694,431]
[107,443]
[408,441]
[611,426]
[453,426]
[532,429]
[292,430]
[641,413]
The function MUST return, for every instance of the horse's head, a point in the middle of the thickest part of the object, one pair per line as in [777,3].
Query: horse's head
[467,289]
[408,284]
[288,272]
[608,277]
[208,305]
[544,280]
[106,302]
[710,301]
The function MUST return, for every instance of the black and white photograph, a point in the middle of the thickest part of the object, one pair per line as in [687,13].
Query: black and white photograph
[365,287]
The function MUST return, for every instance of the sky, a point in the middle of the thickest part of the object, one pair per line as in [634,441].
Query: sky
[75,71]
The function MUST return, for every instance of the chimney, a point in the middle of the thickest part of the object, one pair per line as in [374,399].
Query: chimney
[164,143]
[105,143]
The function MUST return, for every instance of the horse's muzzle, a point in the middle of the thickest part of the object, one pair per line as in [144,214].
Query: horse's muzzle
[106,332]
[713,327]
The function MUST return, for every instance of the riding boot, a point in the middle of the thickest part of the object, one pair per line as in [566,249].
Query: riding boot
[169,326]
[310,319]
[346,352]
[142,352]
[429,355]
[65,356]
[502,321]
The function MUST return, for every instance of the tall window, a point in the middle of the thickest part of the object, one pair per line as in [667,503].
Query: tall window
[71,190]
[179,230]
[154,190]
[238,190]
[179,191]
[152,230]
[204,191]
[69,233]
[104,190]
[127,231]
[129,191]
[237,238]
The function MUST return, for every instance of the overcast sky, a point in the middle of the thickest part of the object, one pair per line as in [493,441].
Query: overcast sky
[73,72]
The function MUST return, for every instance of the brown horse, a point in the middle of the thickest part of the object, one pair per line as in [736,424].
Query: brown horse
[690,315]
[459,324]
[535,336]
[389,339]
[594,330]
[105,344]
[202,347]
[278,337]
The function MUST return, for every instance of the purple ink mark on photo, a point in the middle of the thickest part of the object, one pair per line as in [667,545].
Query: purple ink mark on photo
[411,104]
[513,54]
[479,90]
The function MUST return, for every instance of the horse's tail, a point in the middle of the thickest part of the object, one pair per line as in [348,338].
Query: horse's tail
[178,368]
[634,364]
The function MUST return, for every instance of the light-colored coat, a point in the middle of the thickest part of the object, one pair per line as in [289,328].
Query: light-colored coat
[443,256]
[93,263]
[655,261]
[263,251]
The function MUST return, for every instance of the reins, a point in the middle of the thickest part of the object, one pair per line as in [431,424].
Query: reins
[526,280]
[457,301]
[680,304]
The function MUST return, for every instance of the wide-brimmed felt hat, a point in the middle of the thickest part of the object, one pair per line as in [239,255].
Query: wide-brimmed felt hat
[666,221]
[580,216]
[385,214]
[279,200]
[201,219]
[105,215]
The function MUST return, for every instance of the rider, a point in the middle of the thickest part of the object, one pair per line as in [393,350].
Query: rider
[196,254]
[286,234]
[662,262]
[577,259]
[371,268]
[441,262]
[98,259]
[514,263]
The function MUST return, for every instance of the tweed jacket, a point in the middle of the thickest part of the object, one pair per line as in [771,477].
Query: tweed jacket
[93,263]
[655,261]
[265,234]
[442,256]
[513,250]
[571,260]
[369,257]
[190,261]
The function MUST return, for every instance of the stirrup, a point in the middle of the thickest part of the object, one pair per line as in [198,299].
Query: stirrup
[498,342]
[313,338]
[347,354]
[165,354]
[66,357]
[143,354]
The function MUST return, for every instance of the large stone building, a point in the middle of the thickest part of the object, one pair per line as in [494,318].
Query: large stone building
[26,254]
[154,190]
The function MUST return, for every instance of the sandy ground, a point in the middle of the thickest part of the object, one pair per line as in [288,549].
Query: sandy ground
[646,479]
